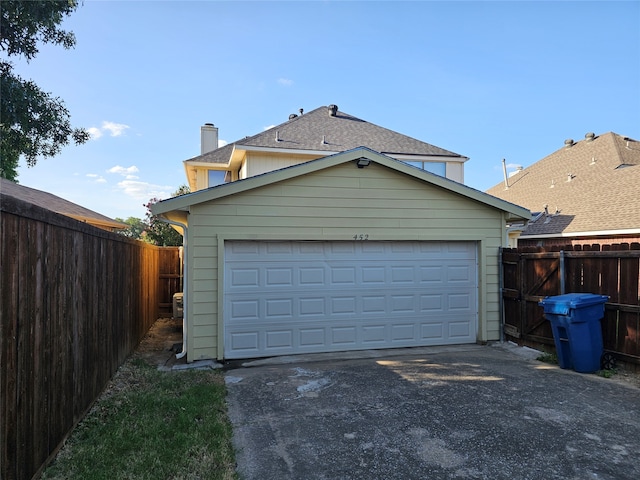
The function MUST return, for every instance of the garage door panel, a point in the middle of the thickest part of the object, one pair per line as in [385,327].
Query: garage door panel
[244,341]
[245,310]
[343,336]
[403,332]
[374,334]
[311,276]
[331,296]
[279,277]
[458,329]
[343,306]
[278,308]
[279,339]
[312,307]
[343,276]
[431,332]
[312,337]
[245,277]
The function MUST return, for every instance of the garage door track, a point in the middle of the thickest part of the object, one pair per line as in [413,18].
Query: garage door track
[468,412]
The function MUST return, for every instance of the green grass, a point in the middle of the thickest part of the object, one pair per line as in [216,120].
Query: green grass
[548,358]
[607,372]
[152,425]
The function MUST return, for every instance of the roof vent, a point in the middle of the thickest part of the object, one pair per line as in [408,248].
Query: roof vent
[333,109]
[590,137]
[568,143]
[292,116]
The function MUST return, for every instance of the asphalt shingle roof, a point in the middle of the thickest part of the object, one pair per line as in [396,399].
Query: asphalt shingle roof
[340,132]
[57,204]
[590,186]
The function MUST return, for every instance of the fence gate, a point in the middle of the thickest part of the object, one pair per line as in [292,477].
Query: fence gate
[529,274]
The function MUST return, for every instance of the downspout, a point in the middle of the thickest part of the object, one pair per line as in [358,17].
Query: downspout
[183,352]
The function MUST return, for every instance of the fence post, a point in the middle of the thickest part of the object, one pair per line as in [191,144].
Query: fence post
[501,290]
[561,271]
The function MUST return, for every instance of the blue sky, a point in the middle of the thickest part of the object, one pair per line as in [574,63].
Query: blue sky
[488,80]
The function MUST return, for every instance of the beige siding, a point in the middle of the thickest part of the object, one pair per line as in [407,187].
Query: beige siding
[455,171]
[258,162]
[335,204]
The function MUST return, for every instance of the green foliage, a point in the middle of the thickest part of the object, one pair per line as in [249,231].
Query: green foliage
[607,372]
[33,123]
[161,233]
[548,358]
[137,229]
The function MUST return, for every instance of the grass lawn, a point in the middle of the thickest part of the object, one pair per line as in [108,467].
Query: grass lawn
[151,424]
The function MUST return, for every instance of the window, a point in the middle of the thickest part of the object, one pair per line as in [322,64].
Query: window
[439,168]
[216,177]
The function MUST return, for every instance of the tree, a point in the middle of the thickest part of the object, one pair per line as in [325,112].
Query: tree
[159,232]
[33,123]
[137,229]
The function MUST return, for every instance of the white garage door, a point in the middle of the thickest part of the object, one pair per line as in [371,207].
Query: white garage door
[303,297]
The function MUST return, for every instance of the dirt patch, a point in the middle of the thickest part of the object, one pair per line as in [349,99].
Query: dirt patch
[627,377]
[161,343]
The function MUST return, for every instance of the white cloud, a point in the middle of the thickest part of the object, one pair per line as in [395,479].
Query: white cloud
[125,171]
[116,129]
[513,166]
[95,133]
[112,128]
[264,129]
[285,82]
[132,177]
[97,178]
[143,190]
[222,143]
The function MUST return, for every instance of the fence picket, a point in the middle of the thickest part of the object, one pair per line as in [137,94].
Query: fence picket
[614,270]
[76,301]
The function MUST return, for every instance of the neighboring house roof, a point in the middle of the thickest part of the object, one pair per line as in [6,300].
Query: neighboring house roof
[178,206]
[58,205]
[318,131]
[588,188]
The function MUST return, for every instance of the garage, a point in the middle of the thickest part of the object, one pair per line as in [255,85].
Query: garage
[292,297]
[354,251]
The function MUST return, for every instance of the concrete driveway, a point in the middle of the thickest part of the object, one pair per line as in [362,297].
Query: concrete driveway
[476,412]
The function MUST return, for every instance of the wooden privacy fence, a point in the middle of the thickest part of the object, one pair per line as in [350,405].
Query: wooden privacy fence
[170,275]
[529,274]
[76,301]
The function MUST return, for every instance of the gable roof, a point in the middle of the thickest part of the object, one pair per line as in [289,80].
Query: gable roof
[183,203]
[590,187]
[58,205]
[320,133]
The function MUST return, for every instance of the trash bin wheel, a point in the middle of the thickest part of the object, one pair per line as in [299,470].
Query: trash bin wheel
[608,361]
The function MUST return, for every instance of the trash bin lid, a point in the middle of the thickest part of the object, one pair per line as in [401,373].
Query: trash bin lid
[562,304]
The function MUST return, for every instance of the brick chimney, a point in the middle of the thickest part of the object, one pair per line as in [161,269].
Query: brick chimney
[208,138]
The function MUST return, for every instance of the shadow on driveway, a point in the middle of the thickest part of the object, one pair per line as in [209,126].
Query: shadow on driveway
[468,412]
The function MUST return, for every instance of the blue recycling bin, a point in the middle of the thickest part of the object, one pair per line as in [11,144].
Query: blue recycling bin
[575,321]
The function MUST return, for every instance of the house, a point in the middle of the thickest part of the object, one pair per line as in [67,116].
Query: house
[322,132]
[353,250]
[585,192]
[59,205]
